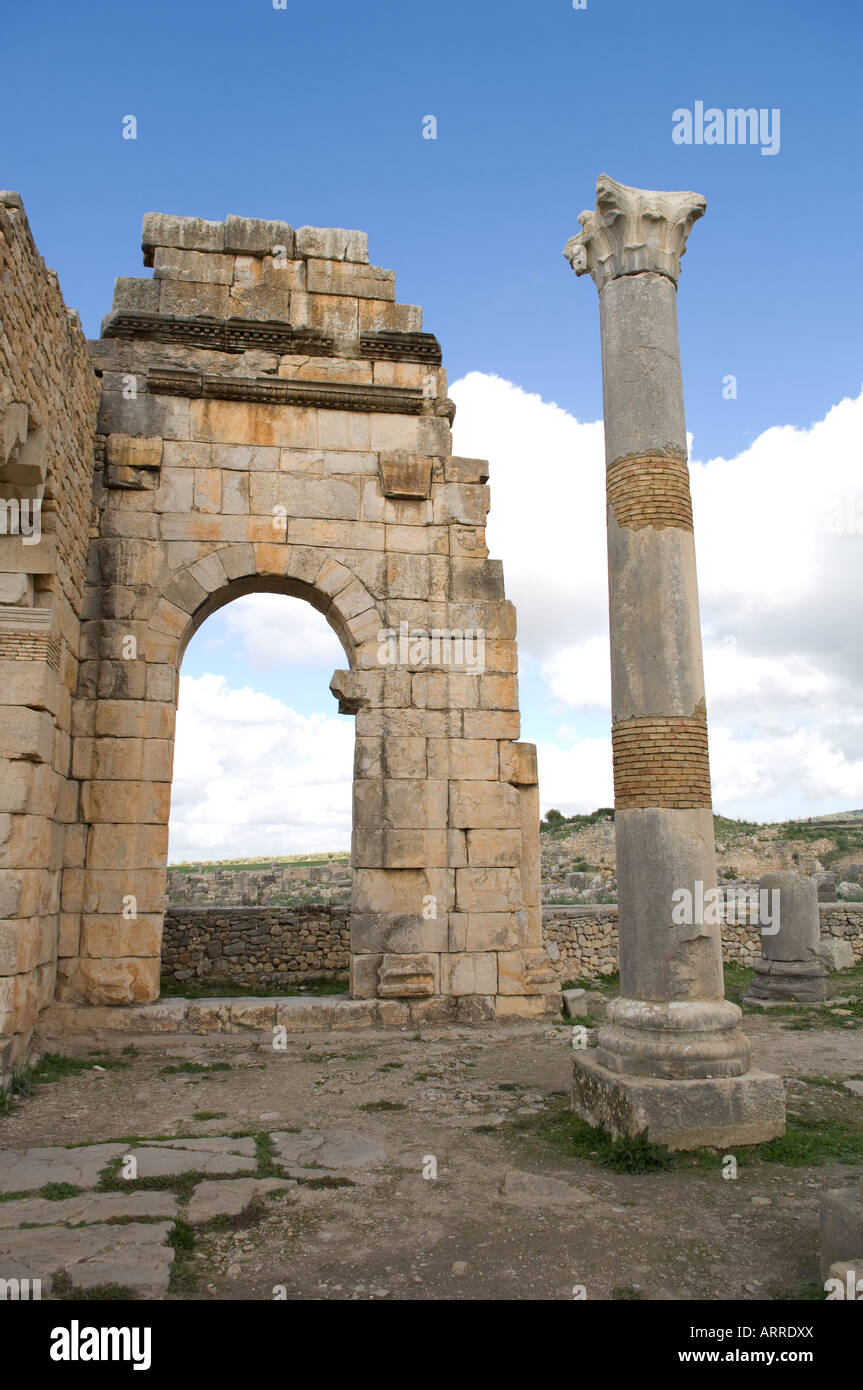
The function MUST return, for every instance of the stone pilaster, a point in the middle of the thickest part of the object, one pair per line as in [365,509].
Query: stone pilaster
[672,1057]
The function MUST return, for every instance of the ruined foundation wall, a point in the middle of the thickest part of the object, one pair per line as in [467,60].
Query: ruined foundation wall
[48,403]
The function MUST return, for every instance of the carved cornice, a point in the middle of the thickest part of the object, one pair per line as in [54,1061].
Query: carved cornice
[401,347]
[324,395]
[16,619]
[269,335]
[218,335]
[633,230]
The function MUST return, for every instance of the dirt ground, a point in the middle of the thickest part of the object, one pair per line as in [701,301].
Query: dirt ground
[490,1225]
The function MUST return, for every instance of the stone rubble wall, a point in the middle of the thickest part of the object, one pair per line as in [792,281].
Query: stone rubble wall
[264,945]
[48,402]
[583,940]
[259,887]
[270,945]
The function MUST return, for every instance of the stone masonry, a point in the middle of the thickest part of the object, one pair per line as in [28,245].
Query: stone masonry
[673,1058]
[270,419]
[48,402]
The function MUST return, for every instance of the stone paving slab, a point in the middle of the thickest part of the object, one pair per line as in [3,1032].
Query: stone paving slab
[327,1148]
[217,1143]
[134,1255]
[90,1206]
[168,1162]
[25,1170]
[211,1199]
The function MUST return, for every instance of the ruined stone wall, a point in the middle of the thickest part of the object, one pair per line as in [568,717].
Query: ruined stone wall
[273,420]
[582,941]
[278,946]
[264,945]
[48,403]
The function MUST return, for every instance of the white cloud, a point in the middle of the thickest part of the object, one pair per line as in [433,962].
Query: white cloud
[251,776]
[276,631]
[779,533]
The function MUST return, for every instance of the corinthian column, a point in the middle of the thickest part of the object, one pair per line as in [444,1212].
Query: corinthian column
[673,1057]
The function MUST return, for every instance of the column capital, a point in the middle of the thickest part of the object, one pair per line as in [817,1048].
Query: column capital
[633,230]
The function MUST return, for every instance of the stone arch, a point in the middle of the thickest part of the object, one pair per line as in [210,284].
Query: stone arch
[283,424]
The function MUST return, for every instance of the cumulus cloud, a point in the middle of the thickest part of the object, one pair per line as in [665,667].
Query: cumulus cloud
[780,561]
[251,776]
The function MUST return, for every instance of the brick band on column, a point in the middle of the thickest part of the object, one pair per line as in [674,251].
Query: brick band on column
[650,490]
[660,761]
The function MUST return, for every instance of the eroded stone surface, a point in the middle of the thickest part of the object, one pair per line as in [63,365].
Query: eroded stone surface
[134,1256]
[328,1148]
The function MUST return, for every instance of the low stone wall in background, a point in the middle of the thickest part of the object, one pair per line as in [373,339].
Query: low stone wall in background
[281,946]
[264,945]
[583,940]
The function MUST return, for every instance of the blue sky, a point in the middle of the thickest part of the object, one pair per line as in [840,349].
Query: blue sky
[314,114]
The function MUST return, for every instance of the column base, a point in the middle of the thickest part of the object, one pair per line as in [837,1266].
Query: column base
[710,1112]
[788,982]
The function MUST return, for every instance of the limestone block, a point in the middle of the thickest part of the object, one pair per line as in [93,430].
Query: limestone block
[133,719]
[410,803]
[462,470]
[125,802]
[405,757]
[363,973]
[133,293]
[114,981]
[191,233]
[252,236]
[109,891]
[483,806]
[487,890]
[175,490]
[402,891]
[398,434]
[463,759]
[498,692]
[171,263]
[405,934]
[476,579]
[344,430]
[127,846]
[333,243]
[408,976]
[527,1006]
[494,848]
[471,973]
[503,724]
[190,299]
[109,936]
[380,315]
[526,972]
[26,734]
[413,849]
[349,278]
[488,931]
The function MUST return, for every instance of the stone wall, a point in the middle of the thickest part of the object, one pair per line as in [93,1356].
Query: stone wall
[264,945]
[279,886]
[271,945]
[583,940]
[48,402]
